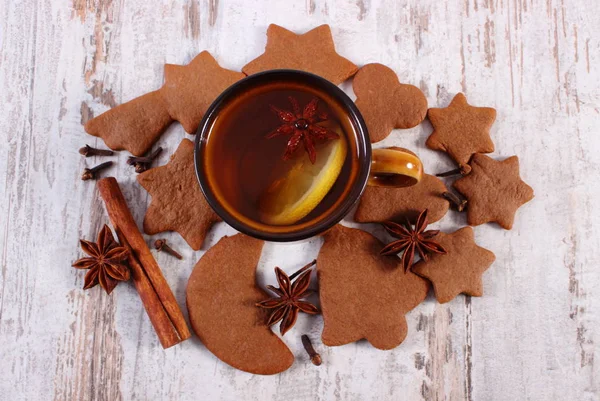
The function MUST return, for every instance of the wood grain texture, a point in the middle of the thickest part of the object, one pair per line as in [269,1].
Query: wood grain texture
[535,335]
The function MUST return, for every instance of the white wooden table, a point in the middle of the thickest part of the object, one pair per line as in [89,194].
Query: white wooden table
[535,335]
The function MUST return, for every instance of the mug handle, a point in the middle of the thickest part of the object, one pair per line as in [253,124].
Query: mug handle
[394,168]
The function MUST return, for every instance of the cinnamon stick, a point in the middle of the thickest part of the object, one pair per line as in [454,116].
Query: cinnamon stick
[144,262]
[167,334]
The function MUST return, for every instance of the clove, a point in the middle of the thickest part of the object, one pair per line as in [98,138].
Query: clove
[88,151]
[459,204]
[315,358]
[161,246]
[142,164]
[91,173]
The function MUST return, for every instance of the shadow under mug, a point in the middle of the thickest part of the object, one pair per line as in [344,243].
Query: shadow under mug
[392,167]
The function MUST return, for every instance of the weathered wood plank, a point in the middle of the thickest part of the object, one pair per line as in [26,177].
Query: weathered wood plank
[533,335]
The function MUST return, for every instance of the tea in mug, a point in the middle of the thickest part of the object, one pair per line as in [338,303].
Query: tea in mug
[281,154]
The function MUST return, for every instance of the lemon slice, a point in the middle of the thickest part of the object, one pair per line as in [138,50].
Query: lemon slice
[293,196]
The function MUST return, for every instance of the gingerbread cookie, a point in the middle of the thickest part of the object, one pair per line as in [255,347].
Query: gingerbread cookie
[494,191]
[363,294]
[133,126]
[461,130]
[460,269]
[379,204]
[177,201]
[221,296]
[313,51]
[188,91]
[385,103]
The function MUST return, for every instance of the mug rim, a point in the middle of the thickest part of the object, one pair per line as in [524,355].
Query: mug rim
[363,147]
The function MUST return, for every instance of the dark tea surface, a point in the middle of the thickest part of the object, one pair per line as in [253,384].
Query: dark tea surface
[249,170]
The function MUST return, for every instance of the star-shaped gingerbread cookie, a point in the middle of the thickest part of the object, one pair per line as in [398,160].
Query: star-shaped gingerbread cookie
[363,294]
[378,204]
[461,130]
[458,271]
[188,91]
[494,191]
[385,103]
[313,52]
[177,201]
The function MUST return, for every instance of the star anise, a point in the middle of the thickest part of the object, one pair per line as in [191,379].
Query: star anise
[106,262]
[303,127]
[288,300]
[410,239]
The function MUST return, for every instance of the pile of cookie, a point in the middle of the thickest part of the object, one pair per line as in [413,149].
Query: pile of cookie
[365,288]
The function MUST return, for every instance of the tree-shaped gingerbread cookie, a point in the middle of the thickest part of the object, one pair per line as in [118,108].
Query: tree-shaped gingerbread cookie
[363,294]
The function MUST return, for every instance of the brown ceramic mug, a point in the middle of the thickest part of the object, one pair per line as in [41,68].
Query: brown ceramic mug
[234,160]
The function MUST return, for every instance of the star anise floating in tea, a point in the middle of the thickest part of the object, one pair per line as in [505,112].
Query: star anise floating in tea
[287,301]
[411,239]
[303,127]
[106,262]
